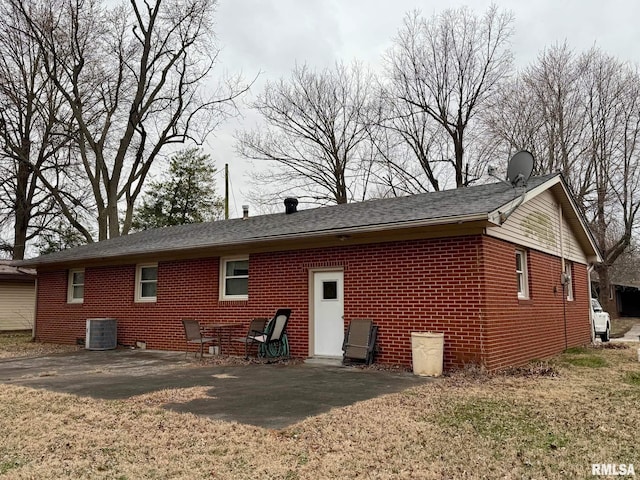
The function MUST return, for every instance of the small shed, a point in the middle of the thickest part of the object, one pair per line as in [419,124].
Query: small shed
[17,297]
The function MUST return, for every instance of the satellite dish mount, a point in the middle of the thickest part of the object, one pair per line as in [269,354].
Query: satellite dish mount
[518,173]
[520,168]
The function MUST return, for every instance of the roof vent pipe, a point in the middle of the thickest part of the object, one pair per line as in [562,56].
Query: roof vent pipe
[290,205]
[245,212]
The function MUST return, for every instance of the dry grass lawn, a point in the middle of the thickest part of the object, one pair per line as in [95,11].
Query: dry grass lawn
[19,344]
[550,420]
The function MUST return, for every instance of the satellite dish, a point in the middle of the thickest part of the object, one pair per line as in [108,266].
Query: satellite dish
[520,168]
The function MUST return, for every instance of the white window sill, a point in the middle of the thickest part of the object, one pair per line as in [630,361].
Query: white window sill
[236,298]
[146,300]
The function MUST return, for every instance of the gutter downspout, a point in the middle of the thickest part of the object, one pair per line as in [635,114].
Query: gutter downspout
[563,280]
[590,269]
[35,313]
[561,238]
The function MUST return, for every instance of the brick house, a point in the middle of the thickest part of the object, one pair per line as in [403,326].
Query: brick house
[502,271]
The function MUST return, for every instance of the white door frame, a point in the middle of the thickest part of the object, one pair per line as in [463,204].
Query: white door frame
[312,309]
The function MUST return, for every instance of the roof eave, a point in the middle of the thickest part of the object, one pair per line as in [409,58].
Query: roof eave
[383,227]
[280,239]
[17,278]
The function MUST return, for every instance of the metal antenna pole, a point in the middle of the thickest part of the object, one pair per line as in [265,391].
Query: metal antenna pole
[226,191]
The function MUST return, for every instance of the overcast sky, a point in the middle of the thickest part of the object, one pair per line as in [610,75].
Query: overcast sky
[270,36]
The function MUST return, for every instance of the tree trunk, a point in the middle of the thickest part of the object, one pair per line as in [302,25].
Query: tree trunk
[114,221]
[602,270]
[102,224]
[459,152]
[20,235]
[22,211]
[341,196]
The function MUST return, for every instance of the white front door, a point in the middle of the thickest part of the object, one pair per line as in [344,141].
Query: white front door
[328,311]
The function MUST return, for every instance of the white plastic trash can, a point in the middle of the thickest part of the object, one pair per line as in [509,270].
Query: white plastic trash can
[427,351]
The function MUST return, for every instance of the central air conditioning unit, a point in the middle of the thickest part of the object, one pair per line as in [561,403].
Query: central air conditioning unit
[102,334]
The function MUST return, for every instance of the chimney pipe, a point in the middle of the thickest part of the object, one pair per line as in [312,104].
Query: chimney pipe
[245,212]
[290,205]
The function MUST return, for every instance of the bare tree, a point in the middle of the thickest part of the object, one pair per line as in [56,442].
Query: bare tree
[134,78]
[35,132]
[315,134]
[411,148]
[543,111]
[447,67]
[513,122]
[626,269]
[613,116]
[580,115]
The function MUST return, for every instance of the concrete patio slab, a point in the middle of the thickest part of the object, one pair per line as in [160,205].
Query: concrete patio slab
[271,396]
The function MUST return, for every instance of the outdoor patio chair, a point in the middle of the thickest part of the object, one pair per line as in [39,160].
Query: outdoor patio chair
[256,326]
[193,334]
[360,341]
[273,342]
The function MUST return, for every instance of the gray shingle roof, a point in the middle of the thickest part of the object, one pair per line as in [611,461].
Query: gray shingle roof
[435,207]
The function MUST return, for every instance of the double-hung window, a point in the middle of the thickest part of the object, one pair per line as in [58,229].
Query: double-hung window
[146,282]
[234,278]
[75,286]
[521,274]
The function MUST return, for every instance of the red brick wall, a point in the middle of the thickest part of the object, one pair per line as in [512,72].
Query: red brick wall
[521,330]
[421,285]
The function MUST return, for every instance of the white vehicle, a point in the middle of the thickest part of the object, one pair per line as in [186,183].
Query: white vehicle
[601,321]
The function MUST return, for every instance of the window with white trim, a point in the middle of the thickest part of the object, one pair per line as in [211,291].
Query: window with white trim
[568,279]
[521,274]
[75,286]
[146,282]
[234,278]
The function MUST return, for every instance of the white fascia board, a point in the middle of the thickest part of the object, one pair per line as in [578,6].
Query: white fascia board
[495,215]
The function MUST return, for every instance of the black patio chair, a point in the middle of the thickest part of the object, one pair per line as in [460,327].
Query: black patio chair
[272,341]
[360,341]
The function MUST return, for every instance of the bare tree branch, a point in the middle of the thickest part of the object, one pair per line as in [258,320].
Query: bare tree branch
[136,78]
[316,132]
[580,115]
[446,68]
[35,133]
